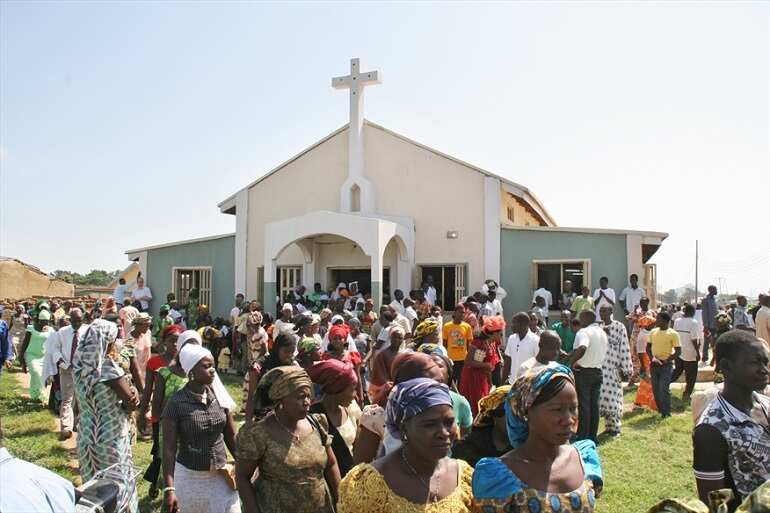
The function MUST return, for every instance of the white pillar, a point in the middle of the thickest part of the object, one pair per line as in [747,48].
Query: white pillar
[491,229]
[376,270]
[241,245]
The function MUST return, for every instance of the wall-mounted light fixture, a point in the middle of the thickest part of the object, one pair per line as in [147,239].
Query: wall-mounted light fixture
[452,234]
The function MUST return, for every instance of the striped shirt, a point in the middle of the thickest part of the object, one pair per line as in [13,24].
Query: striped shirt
[200,429]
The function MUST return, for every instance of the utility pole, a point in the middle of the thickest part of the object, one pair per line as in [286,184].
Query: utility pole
[696,272]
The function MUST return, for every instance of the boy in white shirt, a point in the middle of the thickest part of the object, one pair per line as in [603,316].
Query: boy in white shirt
[689,331]
[549,348]
[522,345]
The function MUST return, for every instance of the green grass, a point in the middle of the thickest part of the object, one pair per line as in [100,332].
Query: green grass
[651,461]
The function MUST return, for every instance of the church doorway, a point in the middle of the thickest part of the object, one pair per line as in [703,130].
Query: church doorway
[360,275]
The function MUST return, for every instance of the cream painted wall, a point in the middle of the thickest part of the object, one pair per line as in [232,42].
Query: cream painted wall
[521,216]
[310,182]
[439,194]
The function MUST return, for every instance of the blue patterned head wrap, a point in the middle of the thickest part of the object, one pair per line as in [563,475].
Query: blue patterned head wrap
[523,393]
[412,397]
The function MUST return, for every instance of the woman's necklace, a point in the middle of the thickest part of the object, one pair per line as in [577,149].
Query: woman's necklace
[293,434]
[432,496]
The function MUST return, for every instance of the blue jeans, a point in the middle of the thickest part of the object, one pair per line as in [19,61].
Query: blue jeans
[661,381]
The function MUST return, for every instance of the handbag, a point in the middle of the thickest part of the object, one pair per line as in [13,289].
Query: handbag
[228,472]
[314,422]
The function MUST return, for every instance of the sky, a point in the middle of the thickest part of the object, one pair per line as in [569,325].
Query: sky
[123,124]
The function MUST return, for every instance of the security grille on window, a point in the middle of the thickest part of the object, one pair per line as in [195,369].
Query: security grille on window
[289,278]
[186,279]
[261,285]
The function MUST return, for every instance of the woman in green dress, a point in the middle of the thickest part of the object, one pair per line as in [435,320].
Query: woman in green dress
[291,448]
[106,400]
[33,352]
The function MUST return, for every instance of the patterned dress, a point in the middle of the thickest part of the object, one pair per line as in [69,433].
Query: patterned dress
[291,473]
[103,429]
[498,490]
[364,489]
[616,360]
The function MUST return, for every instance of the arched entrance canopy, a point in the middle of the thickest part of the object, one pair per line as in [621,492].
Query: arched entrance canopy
[372,234]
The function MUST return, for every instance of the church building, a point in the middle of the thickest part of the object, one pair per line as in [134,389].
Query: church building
[362,215]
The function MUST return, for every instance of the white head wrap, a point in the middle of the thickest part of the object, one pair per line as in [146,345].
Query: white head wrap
[188,336]
[287,306]
[190,355]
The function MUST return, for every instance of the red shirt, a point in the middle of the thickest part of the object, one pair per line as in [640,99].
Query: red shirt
[156,362]
[351,357]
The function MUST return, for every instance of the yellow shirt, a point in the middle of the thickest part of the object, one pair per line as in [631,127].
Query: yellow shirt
[364,490]
[582,303]
[663,342]
[457,338]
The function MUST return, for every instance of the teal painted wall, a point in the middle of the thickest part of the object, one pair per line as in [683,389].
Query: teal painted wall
[518,248]
[217,253]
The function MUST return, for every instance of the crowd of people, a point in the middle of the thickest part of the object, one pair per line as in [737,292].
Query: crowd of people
[409,407]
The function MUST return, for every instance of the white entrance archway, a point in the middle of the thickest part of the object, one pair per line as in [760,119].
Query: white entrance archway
[371,234]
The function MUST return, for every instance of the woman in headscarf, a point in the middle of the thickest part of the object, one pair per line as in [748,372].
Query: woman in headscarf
[297,468]
[106,400]
[371,432]
[338,383]
[196,429]
[255,348]
[543,471]
[481,360]
[32,351]
[644,320]
[489,437]
[460,405]
[281,354]
[339,349]
[418,477]
[425,333]
[156,366]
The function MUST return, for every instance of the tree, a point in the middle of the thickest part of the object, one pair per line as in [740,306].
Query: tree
[669,296]
[96,277]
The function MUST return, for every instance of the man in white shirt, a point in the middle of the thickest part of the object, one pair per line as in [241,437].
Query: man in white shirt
[545,294]
[603,295]
[586,358]
[398,301]
[119,294]
[430,290]
[410,313]
[236,310]
[494,304]
[142,294]
[763,319]
[689,331]
[402,321]
[63,344]
[631,295]
[549,348]
[522,345]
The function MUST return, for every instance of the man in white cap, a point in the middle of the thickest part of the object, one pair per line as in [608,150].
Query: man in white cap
[287,310]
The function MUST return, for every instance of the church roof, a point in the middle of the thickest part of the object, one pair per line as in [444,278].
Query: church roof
[228,205]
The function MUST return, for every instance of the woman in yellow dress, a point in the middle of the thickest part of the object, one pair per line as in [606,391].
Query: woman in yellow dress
[418,477]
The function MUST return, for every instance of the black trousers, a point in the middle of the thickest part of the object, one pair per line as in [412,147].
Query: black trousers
[588,382]
[153,471]
[690,370]
[457,371]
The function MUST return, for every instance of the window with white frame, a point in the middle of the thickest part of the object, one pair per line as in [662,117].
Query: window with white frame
[289,278]
[186,279]
[551,275]
[449,281]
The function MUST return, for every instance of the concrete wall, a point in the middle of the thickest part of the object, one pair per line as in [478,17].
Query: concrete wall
[19,281]
[308,183]
[607,253]
[441,195]
[216,253]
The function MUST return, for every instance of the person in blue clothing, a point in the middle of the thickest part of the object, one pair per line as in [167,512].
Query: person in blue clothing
[6,347]
[543,471]
[29,488]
